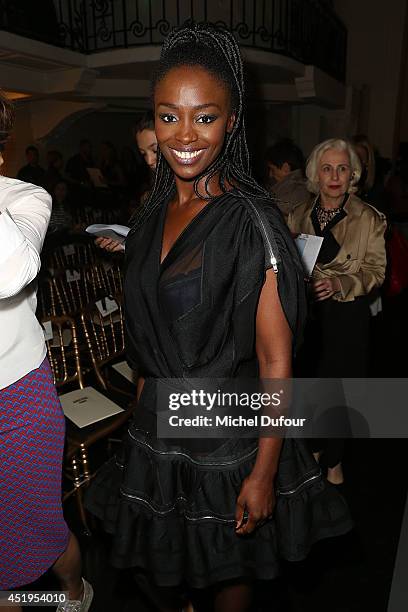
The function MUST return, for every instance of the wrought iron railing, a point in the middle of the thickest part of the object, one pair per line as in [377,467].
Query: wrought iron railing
[305,30]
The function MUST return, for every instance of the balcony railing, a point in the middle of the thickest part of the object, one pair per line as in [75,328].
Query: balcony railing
[306,30]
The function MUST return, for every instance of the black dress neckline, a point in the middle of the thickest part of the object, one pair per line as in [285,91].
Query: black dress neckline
[183,236]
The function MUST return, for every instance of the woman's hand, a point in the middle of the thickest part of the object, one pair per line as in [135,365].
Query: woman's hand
[325,288]
[274,352]
[257,499]
[109,245]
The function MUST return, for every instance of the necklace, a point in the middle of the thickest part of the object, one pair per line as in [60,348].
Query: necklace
[325,215]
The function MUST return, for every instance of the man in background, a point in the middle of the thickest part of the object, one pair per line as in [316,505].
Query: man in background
[76,168]
[32,171]
[285,163]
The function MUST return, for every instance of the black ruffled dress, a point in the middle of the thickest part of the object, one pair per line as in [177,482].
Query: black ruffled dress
[171,504]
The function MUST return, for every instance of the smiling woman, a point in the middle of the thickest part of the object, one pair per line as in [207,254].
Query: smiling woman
[213,289]
[191,132]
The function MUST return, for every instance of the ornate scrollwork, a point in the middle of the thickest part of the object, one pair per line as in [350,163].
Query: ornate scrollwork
[101,5]
[163,27]
[242,30]
[221,24]
[137,29]
[101,8]
[78,27]
[103,33]
[307,30]
[264,34]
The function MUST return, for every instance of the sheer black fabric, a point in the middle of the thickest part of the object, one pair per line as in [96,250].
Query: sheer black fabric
[171,504]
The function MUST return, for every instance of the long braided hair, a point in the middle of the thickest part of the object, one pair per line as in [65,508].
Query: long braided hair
[216,50]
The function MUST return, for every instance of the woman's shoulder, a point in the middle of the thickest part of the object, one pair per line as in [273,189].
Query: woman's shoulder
[365,209]
[254,214]
[251,204]
[301,211]
[16,186]
[280,253]
[15,193]
[265,218]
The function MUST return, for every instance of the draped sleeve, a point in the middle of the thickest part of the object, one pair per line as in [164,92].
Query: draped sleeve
[290,276]
[291,280]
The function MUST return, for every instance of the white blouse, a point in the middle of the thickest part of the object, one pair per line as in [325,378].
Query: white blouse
[25,211]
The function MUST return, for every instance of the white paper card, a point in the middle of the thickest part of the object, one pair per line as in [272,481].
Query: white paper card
[73,275]
[115,232]
[308,246]
[68,249]
[47,327]
[124,370]
[106,306]
[375,305]
[87,406]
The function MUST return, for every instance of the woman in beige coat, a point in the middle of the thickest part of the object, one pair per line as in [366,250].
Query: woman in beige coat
[351,264]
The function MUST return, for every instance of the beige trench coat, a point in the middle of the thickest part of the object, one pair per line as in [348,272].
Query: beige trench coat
[361,261]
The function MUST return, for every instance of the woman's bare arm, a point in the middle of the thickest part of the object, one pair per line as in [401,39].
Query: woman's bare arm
[274,352]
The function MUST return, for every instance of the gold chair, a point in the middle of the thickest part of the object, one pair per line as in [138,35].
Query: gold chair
[95,415]
[72,256]
[104,331]
[88,215]
[106,279]
[70,291]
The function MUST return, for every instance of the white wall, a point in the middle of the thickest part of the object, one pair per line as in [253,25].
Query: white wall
[375,33]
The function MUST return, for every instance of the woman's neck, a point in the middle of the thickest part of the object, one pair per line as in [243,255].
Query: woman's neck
[331,203]
[186,193]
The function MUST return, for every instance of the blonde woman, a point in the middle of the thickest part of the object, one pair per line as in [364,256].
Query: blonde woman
[351,264]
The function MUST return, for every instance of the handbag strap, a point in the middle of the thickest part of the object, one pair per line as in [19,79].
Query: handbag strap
[272,256]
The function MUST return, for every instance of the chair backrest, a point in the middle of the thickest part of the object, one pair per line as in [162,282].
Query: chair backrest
[103,327]
[106,279]
[88,215]
[72,256]
[67,292]
[63,353]
[70,291]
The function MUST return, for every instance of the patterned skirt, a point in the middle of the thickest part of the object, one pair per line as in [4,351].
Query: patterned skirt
[33,533]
